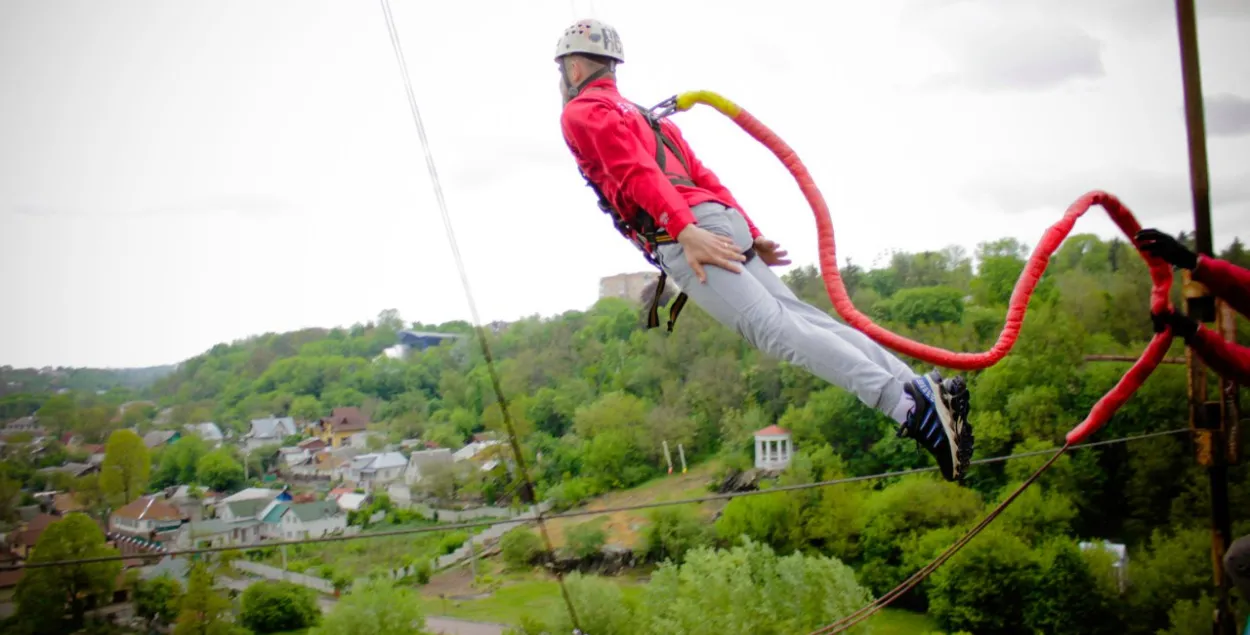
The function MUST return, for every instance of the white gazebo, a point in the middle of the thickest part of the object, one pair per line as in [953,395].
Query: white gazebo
[773,448]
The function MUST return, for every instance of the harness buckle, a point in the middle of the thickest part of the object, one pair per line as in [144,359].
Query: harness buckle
[665,108]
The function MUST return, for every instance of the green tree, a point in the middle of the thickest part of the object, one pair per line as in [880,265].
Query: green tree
[124,472]
[219,471]
[673,532]
[749,590]
[377,607]
[981,587]
[45,594]
[1068,598]
[177,464]
[203,610]
[586,540]
[157,599]
[275,606]
[520,547]
[306,408]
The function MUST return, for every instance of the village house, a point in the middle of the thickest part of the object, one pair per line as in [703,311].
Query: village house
[95,453]
[22,541]
[423,463]
[337,429]
[192,505]
[208,431]
[351,502]
[29,425]
[148,518]
[369,470]
[268,431]
[157,438]
[248,504]
[218,533]
[73,470]
[472,450]
[291,521]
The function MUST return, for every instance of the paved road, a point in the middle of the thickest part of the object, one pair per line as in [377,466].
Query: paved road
[438,625]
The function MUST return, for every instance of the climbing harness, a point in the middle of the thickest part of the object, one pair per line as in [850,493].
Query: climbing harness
[643,231]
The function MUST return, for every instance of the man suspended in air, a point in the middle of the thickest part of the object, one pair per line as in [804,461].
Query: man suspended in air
[683,219]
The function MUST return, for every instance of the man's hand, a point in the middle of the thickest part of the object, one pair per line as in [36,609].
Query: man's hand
[1161,245]
[703,247]
[770,252]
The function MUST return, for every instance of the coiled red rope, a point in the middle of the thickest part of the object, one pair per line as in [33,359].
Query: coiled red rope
[1160,274]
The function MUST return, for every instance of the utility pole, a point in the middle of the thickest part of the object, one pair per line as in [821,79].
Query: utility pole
[1214,423]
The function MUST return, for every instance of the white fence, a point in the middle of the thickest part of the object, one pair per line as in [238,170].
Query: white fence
[274,573]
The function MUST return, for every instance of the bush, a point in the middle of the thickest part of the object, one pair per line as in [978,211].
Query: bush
[452,542]
[585,540]
[984,587]
[423,572]
[275,606]
[520,548]
[673,532]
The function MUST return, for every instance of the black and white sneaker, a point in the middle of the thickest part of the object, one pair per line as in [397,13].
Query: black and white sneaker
[939,422]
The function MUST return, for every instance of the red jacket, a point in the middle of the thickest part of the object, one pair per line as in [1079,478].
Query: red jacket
[1232,284]
[615,148]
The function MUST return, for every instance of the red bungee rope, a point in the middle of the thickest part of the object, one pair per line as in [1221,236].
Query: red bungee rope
[1160,274]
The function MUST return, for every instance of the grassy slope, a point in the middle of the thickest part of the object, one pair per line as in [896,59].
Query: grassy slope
[622,527]
[533,594]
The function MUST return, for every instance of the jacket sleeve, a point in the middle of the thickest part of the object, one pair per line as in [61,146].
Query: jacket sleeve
[1226,281]
[1228,359]
[599,133]
[706,179]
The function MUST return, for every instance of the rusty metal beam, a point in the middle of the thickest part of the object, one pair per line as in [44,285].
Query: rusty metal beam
[1208,419]
[1128,358]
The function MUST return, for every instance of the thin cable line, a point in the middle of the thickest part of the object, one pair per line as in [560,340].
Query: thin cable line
[464,279]
[584,512]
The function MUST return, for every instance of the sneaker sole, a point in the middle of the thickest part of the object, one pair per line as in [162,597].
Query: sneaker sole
[961,448]
[956,391]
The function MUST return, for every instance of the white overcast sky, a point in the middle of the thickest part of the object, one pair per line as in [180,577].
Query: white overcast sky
[174,174]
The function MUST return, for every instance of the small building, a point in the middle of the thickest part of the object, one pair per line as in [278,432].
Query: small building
[337,429]
[157,438]
[351,502]
[208,431]
[1119,559]
[269,431]
[219,533]
[472,450]
[23,540]
[291,521]
[773,448]
[423,463]
[368,470]
[148,518]
[248,504]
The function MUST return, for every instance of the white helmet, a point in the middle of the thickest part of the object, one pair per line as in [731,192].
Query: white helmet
[591,37]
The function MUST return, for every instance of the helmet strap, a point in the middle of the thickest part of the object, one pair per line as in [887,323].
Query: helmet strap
[572,91]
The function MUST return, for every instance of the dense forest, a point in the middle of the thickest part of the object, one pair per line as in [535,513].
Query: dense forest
[594,394]
[40,380]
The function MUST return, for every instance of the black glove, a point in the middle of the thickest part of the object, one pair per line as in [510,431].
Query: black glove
[1161,245]
[1182,325]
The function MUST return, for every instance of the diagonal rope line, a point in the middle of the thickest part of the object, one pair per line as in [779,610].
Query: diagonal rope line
[916,578]
[581,512]
[477,322]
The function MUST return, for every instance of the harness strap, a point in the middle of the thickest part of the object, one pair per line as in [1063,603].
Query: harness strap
[679,303]
[646,235]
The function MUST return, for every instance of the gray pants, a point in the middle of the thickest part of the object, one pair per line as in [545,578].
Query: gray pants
[761,308]
[1237,563]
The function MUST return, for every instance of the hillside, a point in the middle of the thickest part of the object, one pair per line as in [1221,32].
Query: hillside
[43,380]
[594,396]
